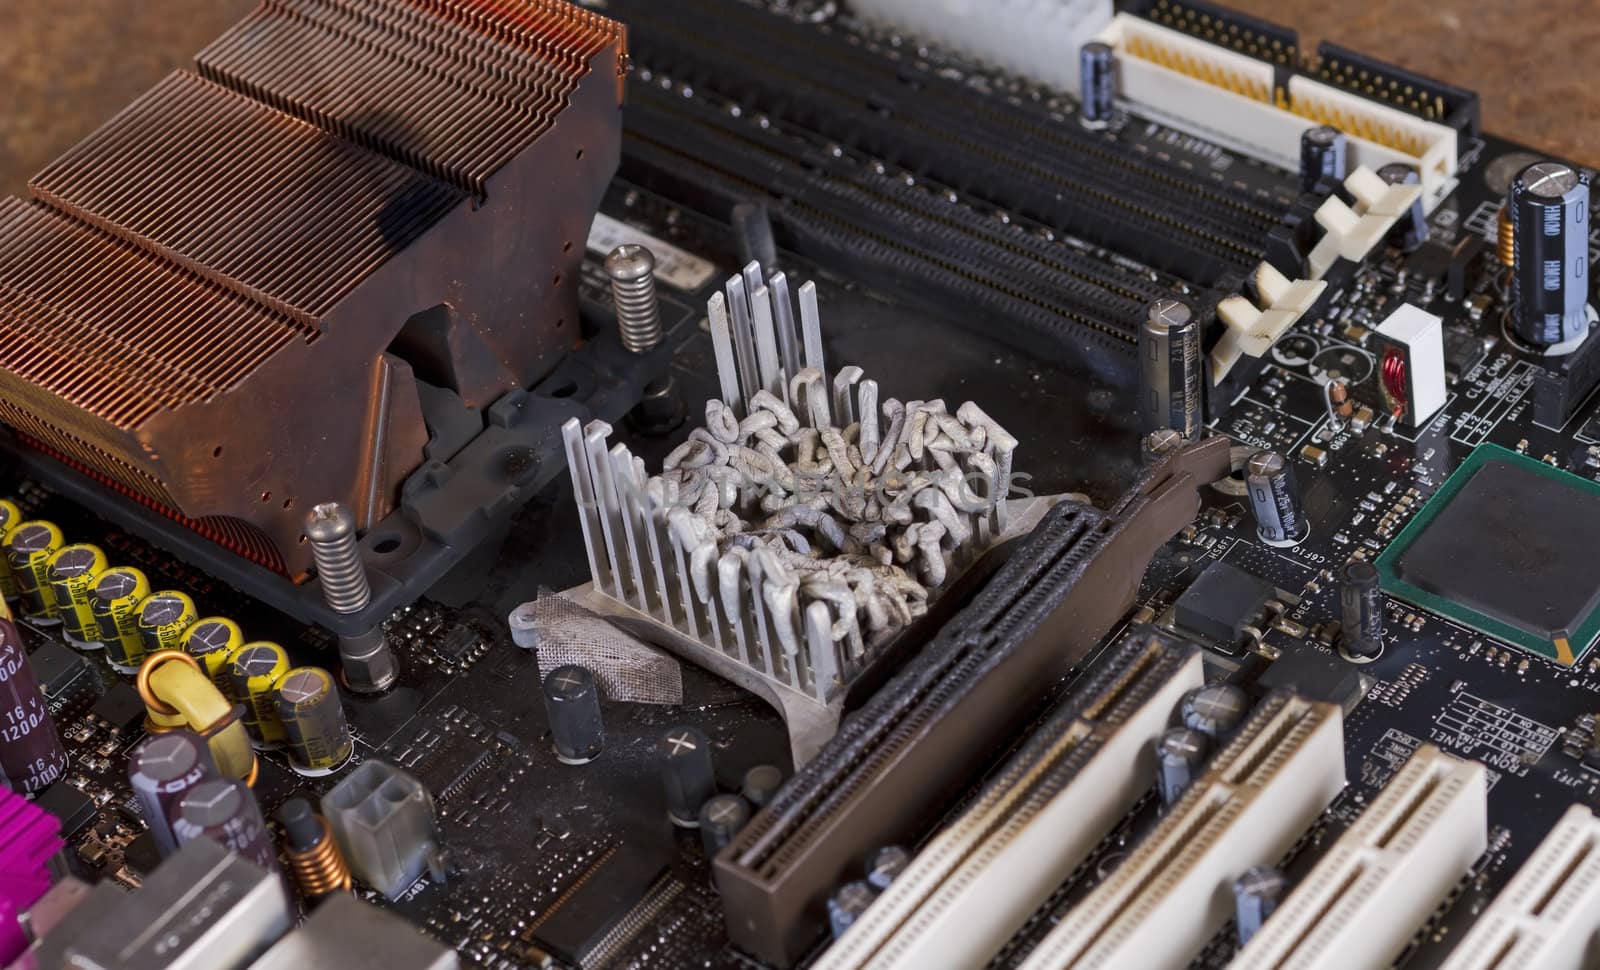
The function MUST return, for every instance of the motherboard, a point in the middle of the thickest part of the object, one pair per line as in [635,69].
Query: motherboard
[795,483]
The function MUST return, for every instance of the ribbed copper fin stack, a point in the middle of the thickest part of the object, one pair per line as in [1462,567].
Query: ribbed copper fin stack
[199,305]
[270,207]
[456,97]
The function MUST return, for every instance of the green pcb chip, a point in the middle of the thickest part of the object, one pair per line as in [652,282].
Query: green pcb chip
[1509,547]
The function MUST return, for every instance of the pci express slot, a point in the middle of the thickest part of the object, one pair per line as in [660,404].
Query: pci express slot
[1237,101]
[1015,156]
[910,750]
[1548,915]
[1167,899]
[877,221]
[1367,898]
[976,882]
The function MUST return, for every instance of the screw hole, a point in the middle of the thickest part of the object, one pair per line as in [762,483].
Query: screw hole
[580,154]
[216,452]
[557,281]
[288,504]
[566,247]
[565,390]
[266,496]
[561,323]
[386,545]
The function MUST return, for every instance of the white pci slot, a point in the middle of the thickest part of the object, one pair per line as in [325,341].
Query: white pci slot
[1037,39]
[1166,900]
[1231,99]
[1365,900]
[976,883]
[1548,916]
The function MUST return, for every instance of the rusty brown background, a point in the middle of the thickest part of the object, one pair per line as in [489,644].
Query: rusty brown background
[67,65]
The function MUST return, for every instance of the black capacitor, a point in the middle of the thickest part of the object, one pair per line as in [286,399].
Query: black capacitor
[760,784]
[1550,281]
[314,726]
[1169,353]
[687,773]
[225,811]
[1360,610]
[1214,709]
[1180,757]
[1097,81]
[1324,153]
[885,865]
[847,905]
[572,702]
[1275,499]
[161,770]
[1412,230]
[721,818]
[1256,895]
[31,754]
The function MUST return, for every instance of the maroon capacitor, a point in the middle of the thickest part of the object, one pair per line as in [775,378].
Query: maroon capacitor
[31,754]
[161,770]
[225,811]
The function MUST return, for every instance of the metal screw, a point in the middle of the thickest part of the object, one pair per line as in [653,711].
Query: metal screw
[368,663]
[633,290]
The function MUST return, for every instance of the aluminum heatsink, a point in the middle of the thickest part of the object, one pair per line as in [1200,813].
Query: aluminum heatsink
[224,299]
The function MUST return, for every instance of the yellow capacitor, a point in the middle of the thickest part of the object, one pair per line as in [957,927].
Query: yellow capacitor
[28,548]
[72,574]
[163,618]
[117,594]
[212,641]
[252,670]
[10,515]
[317,734]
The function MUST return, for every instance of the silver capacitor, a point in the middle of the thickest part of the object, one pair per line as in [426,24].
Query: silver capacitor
[1097,80]
[1169,355]
[1275,499]
[1550,281]
[1180,758]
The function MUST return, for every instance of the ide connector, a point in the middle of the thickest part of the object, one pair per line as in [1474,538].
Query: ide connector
[1261,793]
[1365,900]
[978,881]
[1549,914]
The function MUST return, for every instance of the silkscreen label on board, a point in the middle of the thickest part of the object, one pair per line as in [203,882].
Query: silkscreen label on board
[675,267]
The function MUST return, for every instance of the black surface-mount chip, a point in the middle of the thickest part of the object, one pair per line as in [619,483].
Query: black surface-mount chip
[1221,603]
[75,809]
[1506,547]
[120,708]
[601,899]
[56,668]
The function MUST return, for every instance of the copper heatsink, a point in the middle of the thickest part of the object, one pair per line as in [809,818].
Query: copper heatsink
[222,300]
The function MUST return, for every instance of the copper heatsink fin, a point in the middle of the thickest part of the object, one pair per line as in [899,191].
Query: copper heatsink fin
[200,305]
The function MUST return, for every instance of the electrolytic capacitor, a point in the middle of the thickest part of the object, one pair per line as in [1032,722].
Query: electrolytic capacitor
[314,726]
[1256,895]
[28,548]
[1275,499]
[161,770]
[212,640]
[847,905]
[1169,353]
[72,575]
[1097,81]
[1411,231]
[10,515]
[760,784]
[117,594]
[1323,154]
[164,617]
[1550,284]
[31,754]
[1214,709]
[687,773]
[225,811]
[1360,610]
[1180,758]
[572,703]
[252,671]
[885,865]
[721,818]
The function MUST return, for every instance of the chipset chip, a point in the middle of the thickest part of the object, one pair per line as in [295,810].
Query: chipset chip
[1507,548]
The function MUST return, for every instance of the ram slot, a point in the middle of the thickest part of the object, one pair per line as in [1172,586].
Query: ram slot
[1548,916]
[1364,901]
[1161,905]
[1234,100]
[1049,807]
